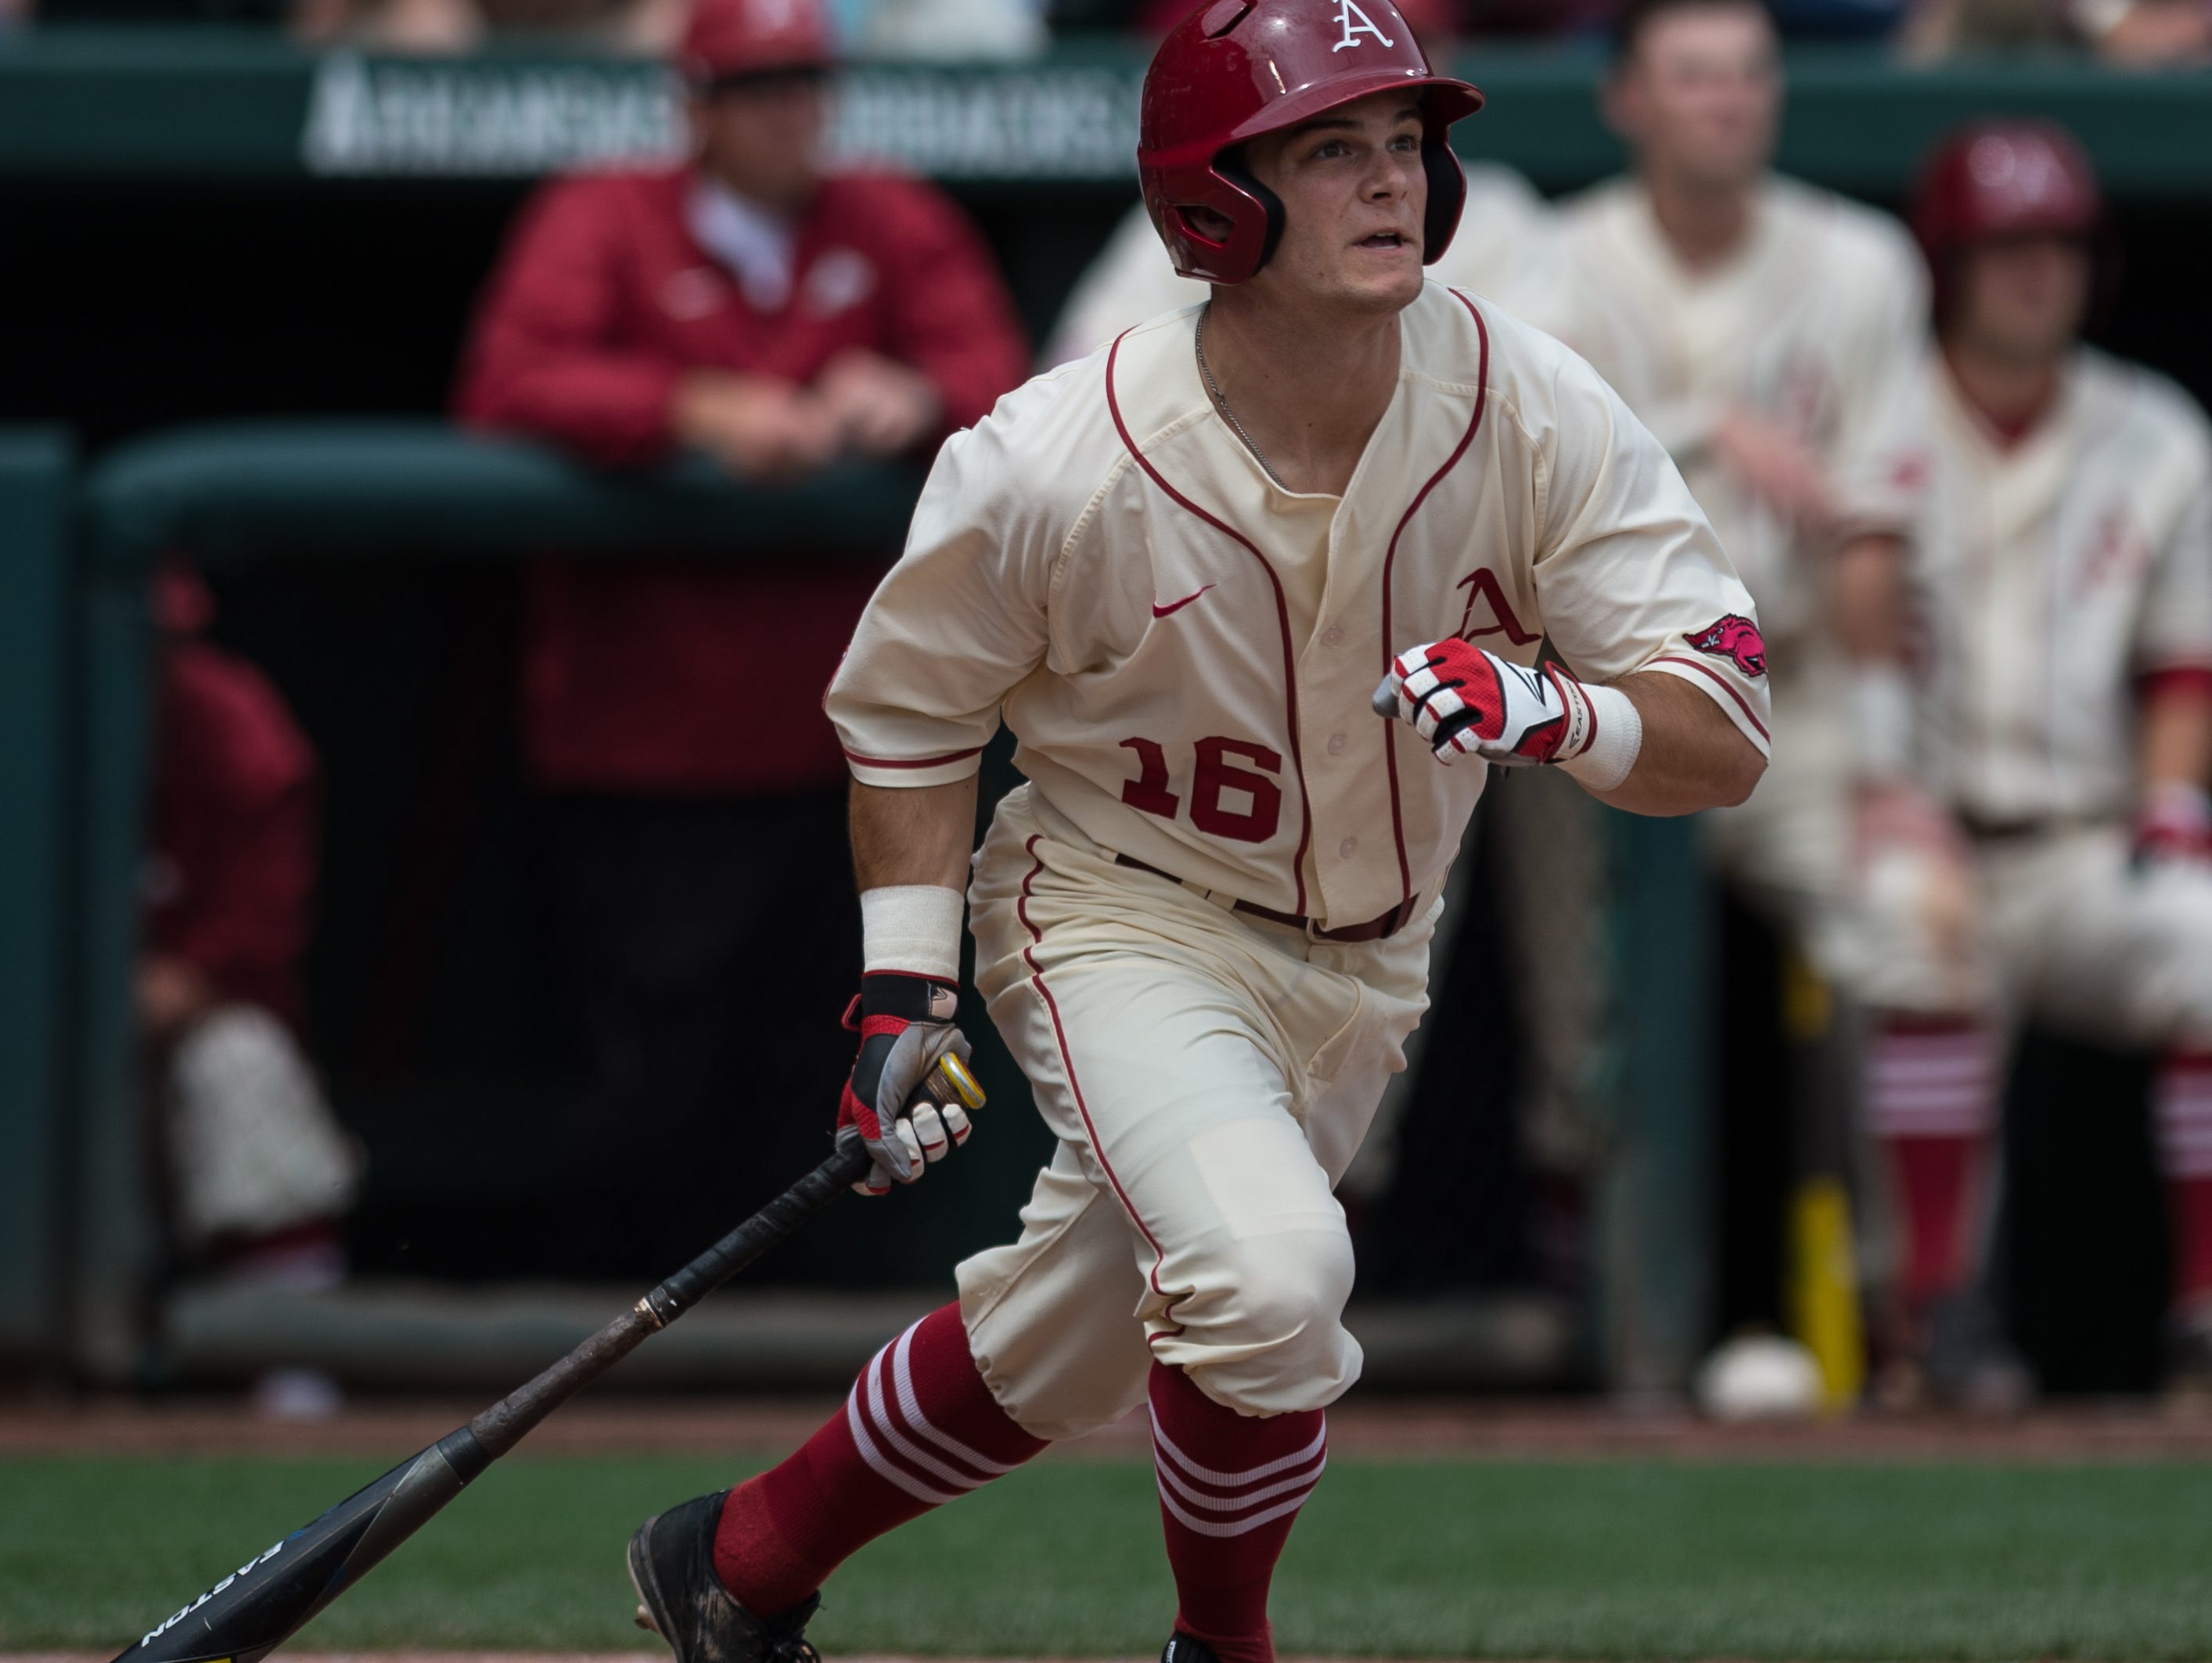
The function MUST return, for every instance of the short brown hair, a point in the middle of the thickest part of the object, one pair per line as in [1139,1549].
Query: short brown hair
[1637,16]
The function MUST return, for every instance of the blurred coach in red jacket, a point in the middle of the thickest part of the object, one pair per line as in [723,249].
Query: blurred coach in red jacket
[778,318]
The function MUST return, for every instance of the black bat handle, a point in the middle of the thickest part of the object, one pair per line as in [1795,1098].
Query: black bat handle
[503,1425]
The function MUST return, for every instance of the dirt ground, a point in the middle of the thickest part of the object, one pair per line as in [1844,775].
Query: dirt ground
[475,1657]
[1378,1427]
[482,1657]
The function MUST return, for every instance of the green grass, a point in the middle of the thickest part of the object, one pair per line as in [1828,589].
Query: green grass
[1614,1560]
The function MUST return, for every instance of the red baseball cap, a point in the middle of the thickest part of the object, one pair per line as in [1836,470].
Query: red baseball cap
[729,38]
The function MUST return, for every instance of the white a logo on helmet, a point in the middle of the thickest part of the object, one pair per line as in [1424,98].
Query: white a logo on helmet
[1356,23]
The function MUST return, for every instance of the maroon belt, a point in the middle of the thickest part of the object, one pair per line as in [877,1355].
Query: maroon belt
[1375,929]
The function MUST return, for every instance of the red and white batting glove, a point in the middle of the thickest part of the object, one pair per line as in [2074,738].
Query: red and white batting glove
[1468,702]
[2173,827]
[905,1025]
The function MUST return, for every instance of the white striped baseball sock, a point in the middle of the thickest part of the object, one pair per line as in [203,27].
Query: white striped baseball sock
[1231,1488]
[920,1428]
[1931,1102]
[2185,1157]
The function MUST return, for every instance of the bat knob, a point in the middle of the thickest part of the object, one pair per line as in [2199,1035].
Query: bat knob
[950,1082]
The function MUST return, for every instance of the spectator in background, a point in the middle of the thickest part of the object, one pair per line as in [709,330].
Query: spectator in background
[751,308]
[2130,34]
[259,1173]
[2063,543]
[461,26]
[968,30]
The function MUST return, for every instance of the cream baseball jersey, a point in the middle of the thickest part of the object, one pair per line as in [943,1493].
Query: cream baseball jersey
[1812,326]
[1503,251]
[1185,651]
[2056,571]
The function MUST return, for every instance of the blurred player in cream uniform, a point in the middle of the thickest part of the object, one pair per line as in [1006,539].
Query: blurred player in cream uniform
[1761,329]
[1177,570]
[2064,557]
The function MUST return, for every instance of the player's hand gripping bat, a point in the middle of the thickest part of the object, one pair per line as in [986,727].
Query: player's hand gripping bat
[269,1599]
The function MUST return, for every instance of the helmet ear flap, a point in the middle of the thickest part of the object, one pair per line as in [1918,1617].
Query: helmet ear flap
[1447,198]
[1231,166]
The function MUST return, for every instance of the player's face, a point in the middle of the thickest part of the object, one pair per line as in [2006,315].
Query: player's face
[763,138]
[1700,97]
[2023,298]
[1354,194]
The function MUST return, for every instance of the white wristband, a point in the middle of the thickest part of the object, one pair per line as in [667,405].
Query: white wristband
[1881,718]
[1603,763]
[914,927]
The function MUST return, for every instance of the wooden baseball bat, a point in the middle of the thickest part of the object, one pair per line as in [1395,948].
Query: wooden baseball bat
[268,1600]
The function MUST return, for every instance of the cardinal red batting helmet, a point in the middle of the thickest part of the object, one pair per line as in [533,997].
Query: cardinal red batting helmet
[726,39]
[1235,69]
[2009,179]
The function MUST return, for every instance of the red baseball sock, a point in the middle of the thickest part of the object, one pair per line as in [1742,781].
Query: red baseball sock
[919,1430]
[2185,1150]
[1931,1101]
[1231,1489]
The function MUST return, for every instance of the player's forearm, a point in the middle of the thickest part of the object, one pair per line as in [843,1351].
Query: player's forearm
[923,835]
[2177,738]
[1692,756]
[1869,600]
[1871,608]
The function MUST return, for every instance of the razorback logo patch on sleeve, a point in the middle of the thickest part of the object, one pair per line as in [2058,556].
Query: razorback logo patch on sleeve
[1734,638]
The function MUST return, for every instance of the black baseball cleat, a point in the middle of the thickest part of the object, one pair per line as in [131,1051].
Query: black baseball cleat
[1971,1363]
[1182,1649]
[2188,1358]
[671,1566]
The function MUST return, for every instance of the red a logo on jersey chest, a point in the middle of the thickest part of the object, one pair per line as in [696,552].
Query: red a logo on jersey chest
[1482,585]
[2121,552]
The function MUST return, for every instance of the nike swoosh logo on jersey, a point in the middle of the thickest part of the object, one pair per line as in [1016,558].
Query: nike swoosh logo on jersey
[1174,607]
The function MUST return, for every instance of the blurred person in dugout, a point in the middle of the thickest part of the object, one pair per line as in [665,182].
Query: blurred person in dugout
[1499,253]
[2044,844]
[777,319]
[1761,329]
[259,1173]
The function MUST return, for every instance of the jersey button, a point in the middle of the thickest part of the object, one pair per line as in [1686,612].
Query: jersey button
[1331,636]
[1347,849]
[1336,743]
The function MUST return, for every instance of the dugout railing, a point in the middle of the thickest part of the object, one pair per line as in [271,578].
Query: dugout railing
[76,1190]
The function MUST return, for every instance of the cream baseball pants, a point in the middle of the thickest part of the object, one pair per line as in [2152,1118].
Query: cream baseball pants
[2058,925]
[1209,1076]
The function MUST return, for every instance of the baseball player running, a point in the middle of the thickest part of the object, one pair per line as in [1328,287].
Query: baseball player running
[1761,328]
[1177,570]
[2064,540]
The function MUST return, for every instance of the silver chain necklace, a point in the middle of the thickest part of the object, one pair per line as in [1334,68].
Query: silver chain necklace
[1213,389]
